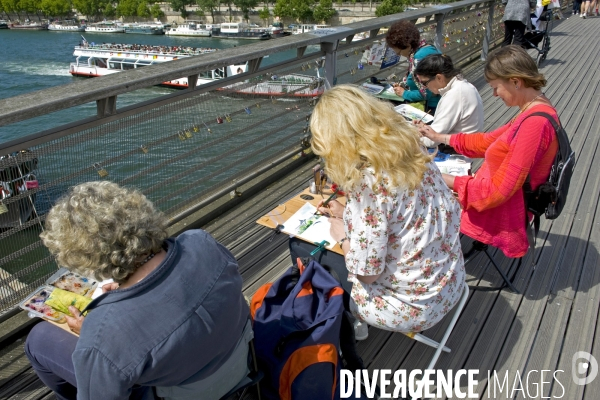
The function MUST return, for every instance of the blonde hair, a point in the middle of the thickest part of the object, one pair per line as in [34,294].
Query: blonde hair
[514,62]
[351,129]
[102,229]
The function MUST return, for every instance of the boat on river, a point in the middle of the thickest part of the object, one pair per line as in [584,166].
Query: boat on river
[240,30]
[30,26]
[3,24]
[105,27]
[107,59]
[67,25]
[191,28]
[144,29]
[304,28]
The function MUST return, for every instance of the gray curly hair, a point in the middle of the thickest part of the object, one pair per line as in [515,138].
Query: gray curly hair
[102,229]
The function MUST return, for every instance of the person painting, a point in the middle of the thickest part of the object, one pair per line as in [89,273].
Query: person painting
[399,230]
[174,321]
[460,108]
[404,38]
[492,200]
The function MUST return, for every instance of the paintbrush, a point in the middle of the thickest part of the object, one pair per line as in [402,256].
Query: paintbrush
[426,114]
[326,202]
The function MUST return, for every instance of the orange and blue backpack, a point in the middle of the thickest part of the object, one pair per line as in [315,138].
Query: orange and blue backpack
[297,321]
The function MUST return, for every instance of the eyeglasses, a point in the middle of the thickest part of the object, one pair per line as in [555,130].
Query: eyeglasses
[425,83]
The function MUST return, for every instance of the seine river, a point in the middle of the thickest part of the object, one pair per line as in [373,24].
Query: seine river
[31,61]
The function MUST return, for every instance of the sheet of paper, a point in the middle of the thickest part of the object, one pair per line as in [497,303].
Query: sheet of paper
[98,290]
[307,226]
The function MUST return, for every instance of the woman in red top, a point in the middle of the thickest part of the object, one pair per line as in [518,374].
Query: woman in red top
[492,200]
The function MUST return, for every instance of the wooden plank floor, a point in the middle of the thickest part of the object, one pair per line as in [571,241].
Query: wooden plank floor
[556,313]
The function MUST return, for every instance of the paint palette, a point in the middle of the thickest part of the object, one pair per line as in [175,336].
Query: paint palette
[35,304]
[73,282]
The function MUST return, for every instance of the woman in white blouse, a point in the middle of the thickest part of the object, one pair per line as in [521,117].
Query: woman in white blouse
[399,230]
[460,109]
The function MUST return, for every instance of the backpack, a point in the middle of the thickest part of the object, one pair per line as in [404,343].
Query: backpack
[550,197]
[297,321]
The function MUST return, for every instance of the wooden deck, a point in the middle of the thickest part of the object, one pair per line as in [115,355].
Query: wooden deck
[556,313]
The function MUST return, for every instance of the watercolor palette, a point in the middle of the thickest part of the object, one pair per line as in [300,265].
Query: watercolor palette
[72,282]
[35,304]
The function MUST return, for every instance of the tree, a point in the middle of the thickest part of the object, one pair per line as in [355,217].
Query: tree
[109,10]
[388,7]
[324,11]
[143,10]
[56,7]
[265,14]
[90,8]
[156,12]
[228,3]
[209,6]
[127,8]
[297,9]
[282,9]
[245,6]
[11,6]
[179,5]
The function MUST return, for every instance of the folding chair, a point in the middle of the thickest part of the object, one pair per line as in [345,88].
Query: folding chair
[441,346]
[479,247]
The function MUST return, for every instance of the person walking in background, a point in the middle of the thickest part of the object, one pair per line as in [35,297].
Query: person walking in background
[576,7]
[516,18]
[586,7]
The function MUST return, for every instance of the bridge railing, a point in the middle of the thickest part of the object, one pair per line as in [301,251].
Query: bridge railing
[189,149]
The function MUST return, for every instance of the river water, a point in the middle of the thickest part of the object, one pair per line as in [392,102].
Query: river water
[31,61]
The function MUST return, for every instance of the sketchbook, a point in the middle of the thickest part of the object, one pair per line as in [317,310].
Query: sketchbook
[309,227]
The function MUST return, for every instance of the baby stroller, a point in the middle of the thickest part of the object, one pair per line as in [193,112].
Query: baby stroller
[535,37]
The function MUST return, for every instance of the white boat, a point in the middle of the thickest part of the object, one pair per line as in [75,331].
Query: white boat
[144,29]
[106,59]
[240,30]
[66,26]
[191,28]
[3,24]
[303,28]
[105,27]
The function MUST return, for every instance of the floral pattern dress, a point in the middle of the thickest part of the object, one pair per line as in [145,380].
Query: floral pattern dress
[411,239]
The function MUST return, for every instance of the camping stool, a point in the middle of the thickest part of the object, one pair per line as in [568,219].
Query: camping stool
[478,247]
[441,346]
[253,378]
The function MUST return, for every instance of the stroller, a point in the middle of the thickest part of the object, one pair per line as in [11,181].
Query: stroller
[535,37]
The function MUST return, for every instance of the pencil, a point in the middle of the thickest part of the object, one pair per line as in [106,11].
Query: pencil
[328,200]
[426,114]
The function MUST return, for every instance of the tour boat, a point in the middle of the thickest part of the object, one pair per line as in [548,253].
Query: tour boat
[240,30]
[144,29]
[191,28]
[303,28]
[66,26]
[276,30]
[30,26]
[3,24]
[105,27]
[106,59]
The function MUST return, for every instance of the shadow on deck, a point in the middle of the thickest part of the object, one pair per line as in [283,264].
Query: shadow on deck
[556,313]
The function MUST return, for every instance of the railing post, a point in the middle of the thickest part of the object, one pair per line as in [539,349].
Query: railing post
[487,39]
[330,49]
[192,81]
[106,106]
[439,31]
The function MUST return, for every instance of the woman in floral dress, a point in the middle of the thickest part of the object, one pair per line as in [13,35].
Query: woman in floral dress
[399,230]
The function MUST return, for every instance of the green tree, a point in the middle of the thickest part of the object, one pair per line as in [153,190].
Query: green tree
[56,8]
[143,10]
[156,11]
[127,8]
[179,5]
[11,6]
[245,6]
[109,10]
[388,7]
[324,11]
[90,8]
[209,6]
[298,9]
[265,14]
[228,3]
[282,9]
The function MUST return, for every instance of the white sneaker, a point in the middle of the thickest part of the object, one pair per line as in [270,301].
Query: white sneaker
[361,330]
[583,15]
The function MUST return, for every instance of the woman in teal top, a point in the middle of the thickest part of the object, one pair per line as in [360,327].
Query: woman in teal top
[404,38]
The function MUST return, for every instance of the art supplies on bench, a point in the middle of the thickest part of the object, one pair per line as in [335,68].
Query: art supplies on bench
[453,164]
[309,227]
[64,288]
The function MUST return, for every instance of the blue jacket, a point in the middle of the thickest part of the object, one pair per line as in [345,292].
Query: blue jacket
[176,326]
[413,95]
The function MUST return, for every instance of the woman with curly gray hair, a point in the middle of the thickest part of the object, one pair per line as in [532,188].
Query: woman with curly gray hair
[161,326]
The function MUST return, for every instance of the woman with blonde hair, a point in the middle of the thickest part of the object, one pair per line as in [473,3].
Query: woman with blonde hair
[399,228]
[492,200]
[174,322]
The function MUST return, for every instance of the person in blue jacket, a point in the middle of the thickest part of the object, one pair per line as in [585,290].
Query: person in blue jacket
[404,38]
[174,322]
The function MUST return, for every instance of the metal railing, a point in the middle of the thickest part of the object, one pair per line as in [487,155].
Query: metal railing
[188,149]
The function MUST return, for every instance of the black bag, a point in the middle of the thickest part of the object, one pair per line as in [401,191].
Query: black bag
[550,197]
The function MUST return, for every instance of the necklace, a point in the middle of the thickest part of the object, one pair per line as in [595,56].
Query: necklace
[526,107]
[145,260]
